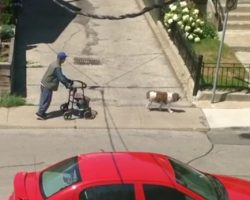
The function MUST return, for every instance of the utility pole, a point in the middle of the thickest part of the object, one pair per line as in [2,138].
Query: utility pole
[219,56]
[230,5]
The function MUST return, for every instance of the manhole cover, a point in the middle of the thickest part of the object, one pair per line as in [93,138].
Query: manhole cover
[86,61]
[245,135]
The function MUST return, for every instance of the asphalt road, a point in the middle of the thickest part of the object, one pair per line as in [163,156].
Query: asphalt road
[221,151]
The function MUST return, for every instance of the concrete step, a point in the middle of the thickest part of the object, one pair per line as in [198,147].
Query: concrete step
[243,2]
[241,7]
[239,16]
[239,1]
[239,40]
[238,25]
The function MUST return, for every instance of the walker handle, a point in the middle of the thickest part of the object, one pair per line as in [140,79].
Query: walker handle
[83,84]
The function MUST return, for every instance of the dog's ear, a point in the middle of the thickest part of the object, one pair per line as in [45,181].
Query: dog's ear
[147,94]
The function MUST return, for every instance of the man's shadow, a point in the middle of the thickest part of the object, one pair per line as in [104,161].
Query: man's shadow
[75,115]
[55,114]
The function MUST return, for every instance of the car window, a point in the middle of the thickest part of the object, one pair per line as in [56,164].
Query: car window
[194,180]
[158,192]
[109,192]
[59,176]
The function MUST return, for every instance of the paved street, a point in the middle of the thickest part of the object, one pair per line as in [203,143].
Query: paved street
[221,151]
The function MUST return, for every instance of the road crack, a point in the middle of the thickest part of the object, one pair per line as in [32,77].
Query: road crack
[206,153]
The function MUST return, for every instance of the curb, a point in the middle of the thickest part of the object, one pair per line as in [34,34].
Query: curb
[221,96]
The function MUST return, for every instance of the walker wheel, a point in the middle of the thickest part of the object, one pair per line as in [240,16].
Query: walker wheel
[87,114]
[81,114]
[67,115]
[64,107]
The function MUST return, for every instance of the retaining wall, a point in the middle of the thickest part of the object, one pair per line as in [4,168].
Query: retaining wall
[6,69]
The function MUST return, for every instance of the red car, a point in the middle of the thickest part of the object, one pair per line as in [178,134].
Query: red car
[126,176]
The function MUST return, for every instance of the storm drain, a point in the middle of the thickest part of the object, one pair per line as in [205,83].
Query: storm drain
[245,135]
[86,61]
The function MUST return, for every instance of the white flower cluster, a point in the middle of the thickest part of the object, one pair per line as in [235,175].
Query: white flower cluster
[186,16]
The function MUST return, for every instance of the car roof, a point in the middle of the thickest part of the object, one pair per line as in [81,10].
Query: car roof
[125,167]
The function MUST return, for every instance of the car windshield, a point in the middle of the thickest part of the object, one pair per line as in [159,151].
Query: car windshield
[59,176]
[194,180]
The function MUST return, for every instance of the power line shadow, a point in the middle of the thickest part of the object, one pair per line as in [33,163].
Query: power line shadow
[166,110]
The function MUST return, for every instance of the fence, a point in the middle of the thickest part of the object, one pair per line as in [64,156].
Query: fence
[234,76]
[191,59]
[6,67]
[230,75]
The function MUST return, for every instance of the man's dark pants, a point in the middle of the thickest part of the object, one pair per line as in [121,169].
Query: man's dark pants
[45,100]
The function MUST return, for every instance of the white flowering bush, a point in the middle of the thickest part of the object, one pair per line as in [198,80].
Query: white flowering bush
[187,18]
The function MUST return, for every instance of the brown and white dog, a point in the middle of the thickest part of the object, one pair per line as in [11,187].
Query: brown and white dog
[163,98]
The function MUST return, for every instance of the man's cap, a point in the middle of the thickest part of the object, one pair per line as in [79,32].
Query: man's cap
[61,56]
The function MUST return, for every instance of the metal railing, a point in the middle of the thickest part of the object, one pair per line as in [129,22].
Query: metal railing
[219,13]
[186,51]
[230,76]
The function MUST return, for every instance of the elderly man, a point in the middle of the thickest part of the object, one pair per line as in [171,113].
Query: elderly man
[50,82]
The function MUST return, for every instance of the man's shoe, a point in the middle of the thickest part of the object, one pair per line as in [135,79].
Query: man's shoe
[41,116]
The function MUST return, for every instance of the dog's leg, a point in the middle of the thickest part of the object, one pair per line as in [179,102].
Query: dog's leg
[169,108]
[160,107]
[148,105]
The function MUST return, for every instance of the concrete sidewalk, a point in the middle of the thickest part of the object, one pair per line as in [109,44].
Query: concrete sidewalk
[228,114]
[126,72]
[109,117]
[202,117]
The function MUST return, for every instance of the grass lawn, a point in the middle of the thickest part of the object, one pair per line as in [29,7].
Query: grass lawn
[209,49]
[8,100]
[230,75]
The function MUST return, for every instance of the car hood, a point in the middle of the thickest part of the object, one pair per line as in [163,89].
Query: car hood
[237,189]
[26,186]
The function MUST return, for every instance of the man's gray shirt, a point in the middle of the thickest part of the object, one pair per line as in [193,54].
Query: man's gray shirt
[53,76]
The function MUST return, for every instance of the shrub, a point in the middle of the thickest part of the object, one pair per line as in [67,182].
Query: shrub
[6,11]
[186,16]
[6,3]
[6,18]
[8,100]
[209,31]
[6,32]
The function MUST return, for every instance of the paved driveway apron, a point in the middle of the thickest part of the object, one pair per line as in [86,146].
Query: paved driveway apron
[131,60]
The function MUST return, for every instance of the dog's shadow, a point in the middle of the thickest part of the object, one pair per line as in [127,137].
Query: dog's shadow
[166,110]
